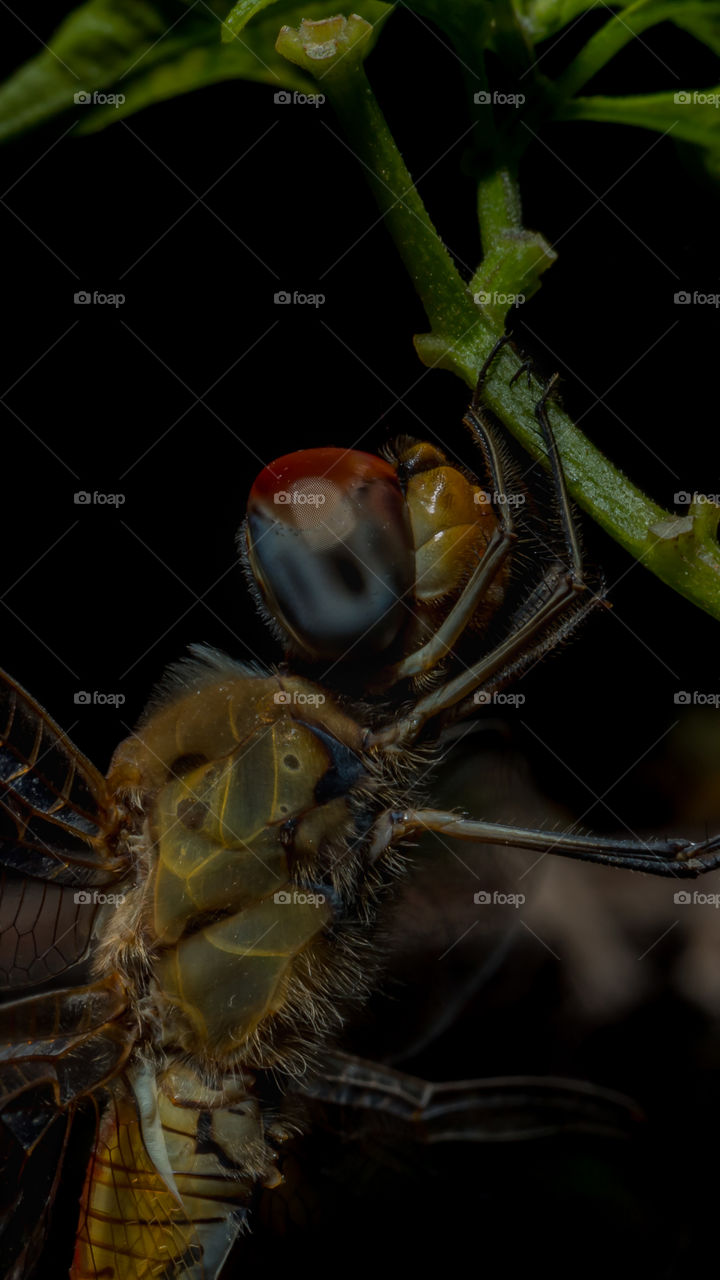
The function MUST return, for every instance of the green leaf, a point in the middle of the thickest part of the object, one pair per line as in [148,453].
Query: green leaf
[100,45]
[147,51]
[543,18]
[700,18]
[195,69]
[689,115]
[701,21]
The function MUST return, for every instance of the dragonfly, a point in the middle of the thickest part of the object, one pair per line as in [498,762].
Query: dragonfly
[182,941]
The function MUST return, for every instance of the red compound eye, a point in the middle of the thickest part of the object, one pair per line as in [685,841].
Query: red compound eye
[331,550]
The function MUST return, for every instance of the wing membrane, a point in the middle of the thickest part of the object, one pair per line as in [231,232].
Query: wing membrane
[55,1049]
[44,930]
[30,1187]
[61,1045]
[492,1110]
[58,821]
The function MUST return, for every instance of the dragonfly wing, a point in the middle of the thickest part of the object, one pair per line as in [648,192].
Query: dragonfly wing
[55,1049]
[504,1109]
[45,929]
[170,1180]
[59,828]
[30,1185]
[61,1045]
[58,821]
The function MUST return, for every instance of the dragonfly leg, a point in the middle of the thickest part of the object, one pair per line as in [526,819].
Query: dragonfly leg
[563,584]
[671,856]
[440,644]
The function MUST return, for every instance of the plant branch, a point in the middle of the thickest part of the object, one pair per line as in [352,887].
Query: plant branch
[682,551]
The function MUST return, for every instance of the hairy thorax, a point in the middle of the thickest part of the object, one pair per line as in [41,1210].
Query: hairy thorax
[245,932]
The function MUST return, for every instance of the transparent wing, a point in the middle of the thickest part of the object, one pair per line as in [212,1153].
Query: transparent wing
[58,836]
[57,818]
[55,1049]
[364,1095]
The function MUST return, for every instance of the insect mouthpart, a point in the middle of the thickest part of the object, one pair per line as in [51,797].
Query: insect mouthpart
[330,547]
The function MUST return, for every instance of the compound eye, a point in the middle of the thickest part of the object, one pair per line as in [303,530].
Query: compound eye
[330,547]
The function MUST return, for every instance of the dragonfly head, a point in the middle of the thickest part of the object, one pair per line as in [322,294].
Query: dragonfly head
[330,548]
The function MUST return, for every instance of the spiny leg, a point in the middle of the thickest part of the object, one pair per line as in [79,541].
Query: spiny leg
[496,552]
[674,856]
[563,585]
[503,340]
[406,730]
[572,544]
[555,635]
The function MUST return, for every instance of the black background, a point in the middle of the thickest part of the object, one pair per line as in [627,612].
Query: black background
[98,598]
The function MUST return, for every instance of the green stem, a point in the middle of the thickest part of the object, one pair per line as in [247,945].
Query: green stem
[443,293]
[498,207]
